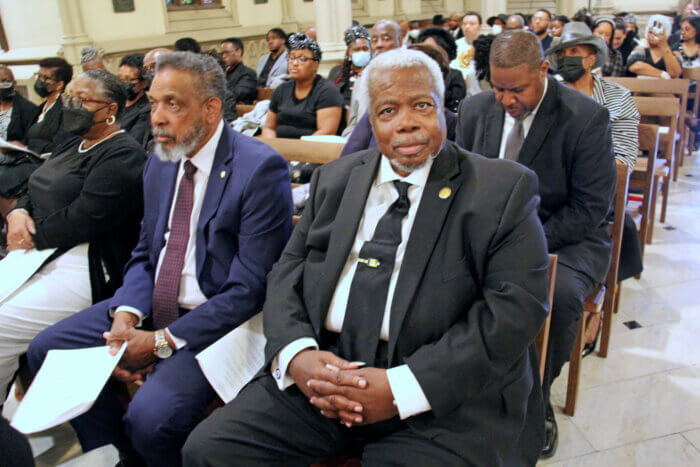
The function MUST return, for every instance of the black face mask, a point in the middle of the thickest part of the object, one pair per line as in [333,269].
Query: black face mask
[571,68]
[130,91]
[7,94]
[78,121]
[42,88]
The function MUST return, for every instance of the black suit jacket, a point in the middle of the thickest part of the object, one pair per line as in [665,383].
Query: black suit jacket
[468,340]
[24,114]
[241,87]
[569,147]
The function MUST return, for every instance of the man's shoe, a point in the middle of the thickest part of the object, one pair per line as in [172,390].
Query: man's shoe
[551,434]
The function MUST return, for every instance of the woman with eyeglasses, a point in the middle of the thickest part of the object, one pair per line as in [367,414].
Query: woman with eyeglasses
[43,135]
[85,201]
[307,104]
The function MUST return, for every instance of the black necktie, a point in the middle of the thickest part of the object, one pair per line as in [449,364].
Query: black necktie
[359,338]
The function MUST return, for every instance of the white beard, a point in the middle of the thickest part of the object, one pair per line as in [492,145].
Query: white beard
[183,148]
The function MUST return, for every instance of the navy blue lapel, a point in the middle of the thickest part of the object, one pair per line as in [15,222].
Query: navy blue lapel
[218,178]
[168,176]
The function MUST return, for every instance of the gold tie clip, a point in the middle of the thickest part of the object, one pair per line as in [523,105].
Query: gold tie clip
[371,262]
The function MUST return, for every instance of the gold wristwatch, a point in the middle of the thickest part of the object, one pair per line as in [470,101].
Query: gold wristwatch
[162,349]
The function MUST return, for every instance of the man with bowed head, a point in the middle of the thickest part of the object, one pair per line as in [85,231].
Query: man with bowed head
[565,138]
[217,213]
[401,315]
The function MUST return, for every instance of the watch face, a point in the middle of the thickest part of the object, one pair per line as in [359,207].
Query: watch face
[164,352]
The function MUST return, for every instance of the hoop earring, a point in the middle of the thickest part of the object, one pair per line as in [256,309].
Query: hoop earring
[111,120]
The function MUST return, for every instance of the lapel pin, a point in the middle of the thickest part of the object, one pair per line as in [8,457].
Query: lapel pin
[222,174]
[445,192]
[370,262]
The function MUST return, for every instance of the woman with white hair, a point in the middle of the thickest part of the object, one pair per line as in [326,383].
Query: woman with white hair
[656,60]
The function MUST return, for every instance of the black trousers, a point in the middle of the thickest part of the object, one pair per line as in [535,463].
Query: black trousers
[570,291]
[264,426]
[14,447]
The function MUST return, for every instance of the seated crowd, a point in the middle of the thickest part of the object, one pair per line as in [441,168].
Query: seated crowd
[401,310]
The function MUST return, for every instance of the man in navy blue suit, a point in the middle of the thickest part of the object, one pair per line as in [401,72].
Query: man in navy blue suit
[217,214]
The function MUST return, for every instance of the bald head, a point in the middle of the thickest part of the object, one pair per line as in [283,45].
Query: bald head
[149,63]
[517,47]
[515,22]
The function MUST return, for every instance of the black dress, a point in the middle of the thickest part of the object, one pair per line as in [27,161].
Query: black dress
[93,197]
[297,117]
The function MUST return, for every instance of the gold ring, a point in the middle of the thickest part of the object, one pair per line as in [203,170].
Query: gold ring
[21,241]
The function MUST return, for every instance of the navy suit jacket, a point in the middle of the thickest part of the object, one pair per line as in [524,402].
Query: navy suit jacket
[245,221]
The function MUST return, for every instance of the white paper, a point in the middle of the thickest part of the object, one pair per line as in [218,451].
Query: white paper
[18,266]
[4,144]
[232,361]
[66,386]
[324,138]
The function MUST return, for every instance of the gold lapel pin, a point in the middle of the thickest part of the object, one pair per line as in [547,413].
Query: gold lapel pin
[445,192]
[222,174]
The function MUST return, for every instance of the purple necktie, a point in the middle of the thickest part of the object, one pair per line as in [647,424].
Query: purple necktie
[166,290]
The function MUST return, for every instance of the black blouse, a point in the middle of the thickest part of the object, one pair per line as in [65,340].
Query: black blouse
[46,135]
[297,117]
[93,197]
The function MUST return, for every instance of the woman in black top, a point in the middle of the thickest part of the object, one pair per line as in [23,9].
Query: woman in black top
[86,201]
[307,104]
[41,137]
[46,134]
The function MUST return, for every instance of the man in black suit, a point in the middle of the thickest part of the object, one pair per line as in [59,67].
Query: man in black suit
[23,114]
[564,137]
[405,304]
[241,81]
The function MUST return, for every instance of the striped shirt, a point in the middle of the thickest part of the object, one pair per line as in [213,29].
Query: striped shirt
[624,118]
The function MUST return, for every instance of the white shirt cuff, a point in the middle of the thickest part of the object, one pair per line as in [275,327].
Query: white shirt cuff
[138,313]
[179,343]
[279,365]
[410,398]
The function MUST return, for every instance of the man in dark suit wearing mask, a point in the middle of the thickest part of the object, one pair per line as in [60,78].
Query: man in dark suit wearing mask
[405,304]
[564,137]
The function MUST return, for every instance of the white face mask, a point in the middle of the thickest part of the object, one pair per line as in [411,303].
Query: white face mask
[414,33]
[497,29]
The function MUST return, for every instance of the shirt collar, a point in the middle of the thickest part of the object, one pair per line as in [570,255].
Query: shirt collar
[386,174]
[204,159]
[544,93]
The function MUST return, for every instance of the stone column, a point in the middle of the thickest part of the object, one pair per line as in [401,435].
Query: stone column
[333,17]
[492,8]
[74,33]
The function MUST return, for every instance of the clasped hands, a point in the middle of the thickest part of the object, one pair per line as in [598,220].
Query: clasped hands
[342,389]
[138,359]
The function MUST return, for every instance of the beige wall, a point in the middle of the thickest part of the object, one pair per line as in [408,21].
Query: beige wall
[102,24]
[31,23]
[251,14]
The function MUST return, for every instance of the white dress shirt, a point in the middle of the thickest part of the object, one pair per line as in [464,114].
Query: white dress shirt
[410,398]
[509,122]
[190,294]
[464,61]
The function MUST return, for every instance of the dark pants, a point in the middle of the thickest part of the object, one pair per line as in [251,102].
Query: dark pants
[267,427]
[14,447]
[161,414]
[570,291]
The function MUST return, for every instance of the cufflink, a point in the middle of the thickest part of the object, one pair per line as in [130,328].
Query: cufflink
[278,374]
[222,174]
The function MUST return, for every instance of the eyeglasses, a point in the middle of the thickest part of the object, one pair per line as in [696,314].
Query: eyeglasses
[300,58]
[75,102]
[41,77]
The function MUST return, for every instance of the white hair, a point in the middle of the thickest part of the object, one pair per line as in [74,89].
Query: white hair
[664,20]
[399,59]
